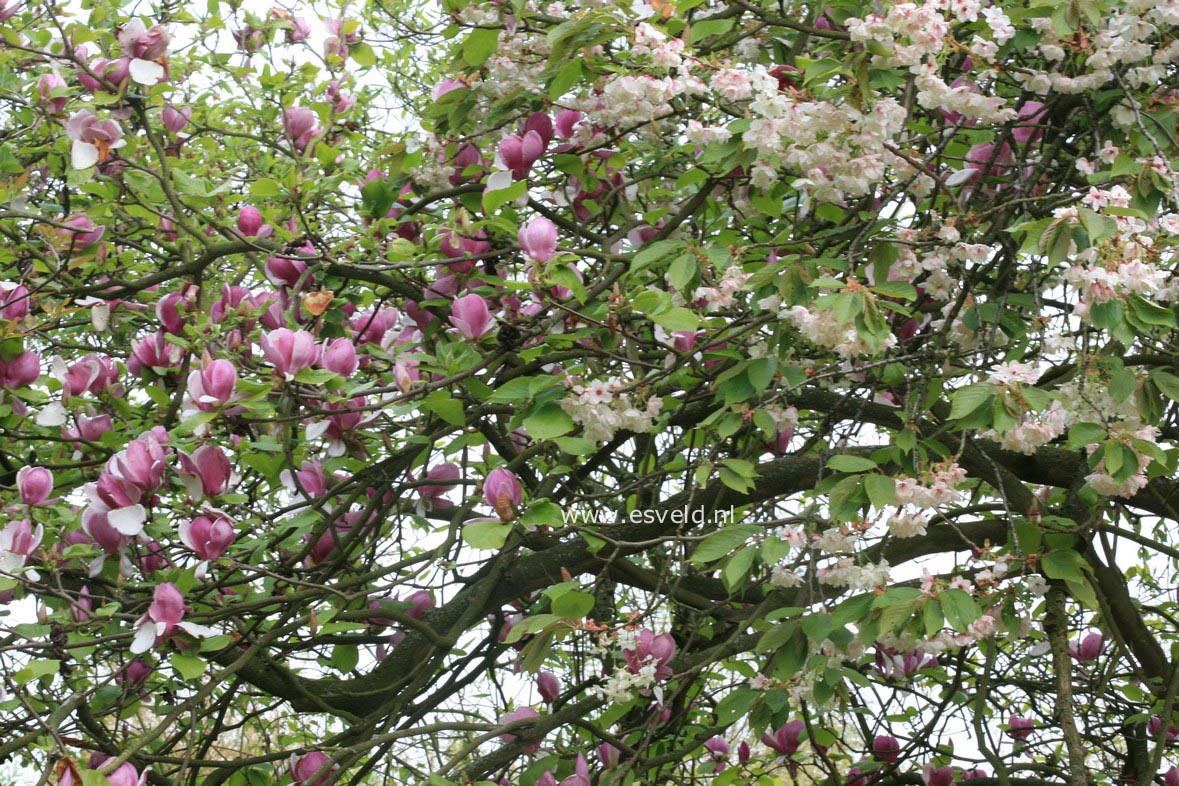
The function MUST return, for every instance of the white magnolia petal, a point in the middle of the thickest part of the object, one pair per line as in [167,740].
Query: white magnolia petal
[83,155]
[315,430]
[145,638]
[53,414]
[498,181]
[100,316]
[961,176]
[146,72]
[200,631]
[128,520]
[96,565]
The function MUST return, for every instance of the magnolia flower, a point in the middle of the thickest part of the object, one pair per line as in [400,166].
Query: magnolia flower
[548,686]
[249,221]
[1088,648]
[886,748]
[289,351]
[208,536]
[207,472]
[305,767]
[211,387]
[20,372]
[339,355]
[301,125]
[538,239]
[937,776]
[93,138]
[34,484]
[524,713]
[18,541]
[651,649]
[175,120]
[785,739]
[1020,728]
[471,316]
[520,153]
[164,617]
[502,491]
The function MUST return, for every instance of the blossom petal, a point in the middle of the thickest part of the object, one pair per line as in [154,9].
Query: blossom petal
[145,637]
[128,520]
[84,155]
[145,72]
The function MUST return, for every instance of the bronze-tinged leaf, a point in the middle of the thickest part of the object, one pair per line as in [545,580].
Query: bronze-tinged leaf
[315,303]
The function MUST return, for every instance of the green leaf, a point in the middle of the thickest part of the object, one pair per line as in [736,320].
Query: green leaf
[881,490]
[959,608]
[724,541]
[677,318]
[573,605]
[543,512]
[816,627]
[486,535]
[968,399]
[363,54]
[494,200]
[479,45]
[548,422]
[265,187]
[187,666]
[1151,313]
[450,410]
[36,669]
[736,705]
[1064,564]
[1082,434]
[345,657]
[845,463]
[1167,383]
[896,289]
[846,497]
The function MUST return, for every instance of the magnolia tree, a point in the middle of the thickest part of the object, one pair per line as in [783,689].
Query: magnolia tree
[589,393]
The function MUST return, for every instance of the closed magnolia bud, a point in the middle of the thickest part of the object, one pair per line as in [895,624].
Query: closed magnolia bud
[34,484]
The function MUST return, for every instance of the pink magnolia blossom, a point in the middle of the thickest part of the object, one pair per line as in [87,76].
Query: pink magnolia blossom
[310,479]
[289,351]
[8,11]
[520,153]
[18,540]
[174,119]
[285,271]
[92,373]
[523,713]
[305,767]
[718,747]
[785,739]
[548,686]
[886,748]
[439,480]
[207,472]
[47,85]
[34,484]
[93,138]
[301,125]
[609,755]
[472,317]
[937,776]
[249,221]
[123,775]
[1020,728]
[650,648]
[406,374]
[1088,648]
[14,302]
[538,239]
[566,122]
[208,536]
[502,491]
[164,617]
[21,371]
[154,353]
[542,124]
[211,386]
[339,355]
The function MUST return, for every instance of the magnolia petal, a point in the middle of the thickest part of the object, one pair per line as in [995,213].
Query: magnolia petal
[200,631]
[146,72]
[100,316]
[51,415]
[145,638]
[316,430]
[961,176]
[83,155]
[128,520]
[498,181]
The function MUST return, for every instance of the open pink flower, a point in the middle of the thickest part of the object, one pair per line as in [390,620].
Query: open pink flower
[207,472]
[211,386]
[785,739]
[18,540]
[519,153]
[164,617]
[93,138]
[208,536]
[651,649]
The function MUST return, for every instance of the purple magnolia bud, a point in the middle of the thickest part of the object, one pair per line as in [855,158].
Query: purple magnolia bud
[975,773]
[1031,115]
[211,387]
[420,602]
[249,221]
[886,748]
[134,674]
[339,355]
[284,271]
[124,775]
[523,713]
[502,491]
[1088,649]
[1155,725]
[305,767]
[937,776]
[467,156]
[856,777]
[609,755]
[208,537]
[20,372]
[168,311]
[1171,777]
[471,316]
[538,239]
[34,484]
[542,124]
[718,747]
[289,351]
[14,302]
[520,153]
[743,753]
[176,119]
[548,686]
[1020,728]
[301,125]
[785,739]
